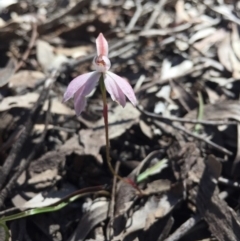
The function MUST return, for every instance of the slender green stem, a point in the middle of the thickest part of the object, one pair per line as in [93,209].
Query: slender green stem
[105,116]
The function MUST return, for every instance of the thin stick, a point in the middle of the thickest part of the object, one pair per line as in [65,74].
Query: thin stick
[30,46]
[135,17]
[198,137]
[25,163]
[157,11]
[112,204]
[185,120]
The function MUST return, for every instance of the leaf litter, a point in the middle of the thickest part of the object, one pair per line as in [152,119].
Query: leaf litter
[180,146]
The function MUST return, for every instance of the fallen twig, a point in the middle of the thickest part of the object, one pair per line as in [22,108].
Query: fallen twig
[4,193]
[201,138]
[185,120]
[17,147]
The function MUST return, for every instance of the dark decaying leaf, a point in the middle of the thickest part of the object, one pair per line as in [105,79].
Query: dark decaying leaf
[119,121]
[96,214]
[223,221]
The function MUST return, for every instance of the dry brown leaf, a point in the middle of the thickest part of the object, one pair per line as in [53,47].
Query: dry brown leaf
[201,34]
[235,40]
[181,13]
[211,207]
[204,45]
[146,129]
[226,11]
[57,107]
[43,200]
[235,64]
[163,32]
[157,186]
[7,72]
[234,54]
[126,194]
[153,209]
[27,101]
[53,159]
[47,58]
[25,78]
[120,119]
[219,111]
[45,54]
[5,4]
[75,52]
[97,213]
[44,179]
[22,101]
[224,49]
[169,72]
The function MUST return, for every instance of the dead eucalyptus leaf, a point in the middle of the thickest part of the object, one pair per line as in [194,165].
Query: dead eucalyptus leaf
[25,78]
[169,72]
[153,209]
[22,101]
[204,45]
[224,49]
[7,72]
[45,55]
[235,40]
[27,101]
[47,58]
[157,186]
[52,197]
[97,213]
[201,34]
[119,121]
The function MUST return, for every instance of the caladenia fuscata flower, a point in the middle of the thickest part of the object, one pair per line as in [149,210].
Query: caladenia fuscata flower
[115,85]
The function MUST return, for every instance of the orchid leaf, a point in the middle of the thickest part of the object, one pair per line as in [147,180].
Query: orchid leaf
[4,232]
[157,168]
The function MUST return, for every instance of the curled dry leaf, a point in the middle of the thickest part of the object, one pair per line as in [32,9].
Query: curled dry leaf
[75,52]
[27,101]
[235,40]
[201,34]
[44,200]
[204,45]
[23,101]
[5,4]
[224,49]
[25,78]
[153,209]
[47,58]
[7,72]
[171,72]
[97,214]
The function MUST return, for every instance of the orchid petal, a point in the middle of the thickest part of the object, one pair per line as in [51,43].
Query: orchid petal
[102,45]
[123,85]
[79,96]
[79,102]
[114,91]
[78,83]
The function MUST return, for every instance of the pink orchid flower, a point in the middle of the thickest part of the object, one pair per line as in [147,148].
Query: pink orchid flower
[83,85]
